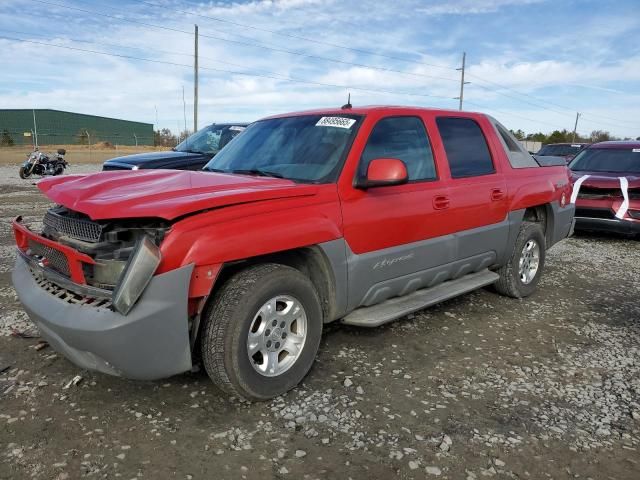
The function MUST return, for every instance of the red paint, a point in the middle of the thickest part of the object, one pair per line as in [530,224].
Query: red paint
[387,170]
[75,259]
[242,216]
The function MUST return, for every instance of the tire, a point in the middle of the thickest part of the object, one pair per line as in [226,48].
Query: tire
[58,170]
[512,283]
[242,307]
[23,173]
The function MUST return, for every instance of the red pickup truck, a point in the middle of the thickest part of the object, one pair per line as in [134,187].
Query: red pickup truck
[355,214]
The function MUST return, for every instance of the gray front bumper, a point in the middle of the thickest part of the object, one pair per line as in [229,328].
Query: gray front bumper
[149,343]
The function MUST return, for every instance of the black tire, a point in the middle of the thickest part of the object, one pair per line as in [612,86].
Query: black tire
[58,170]
[510,283]
[229,317]
[23,173]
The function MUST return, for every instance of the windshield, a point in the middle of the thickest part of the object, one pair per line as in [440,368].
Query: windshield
[559,150]
[210,139]
[607,160]
[307,148]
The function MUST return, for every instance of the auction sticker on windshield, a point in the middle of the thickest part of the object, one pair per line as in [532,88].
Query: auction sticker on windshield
[340,122]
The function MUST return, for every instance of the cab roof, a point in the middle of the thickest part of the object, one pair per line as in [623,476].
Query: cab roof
[364,110]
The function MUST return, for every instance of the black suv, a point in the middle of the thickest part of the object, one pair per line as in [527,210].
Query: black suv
[191,154]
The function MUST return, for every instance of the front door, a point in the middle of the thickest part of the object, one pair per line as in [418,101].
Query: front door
[396,235]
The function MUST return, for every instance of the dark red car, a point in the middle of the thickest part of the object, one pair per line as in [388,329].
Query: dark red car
[606,191]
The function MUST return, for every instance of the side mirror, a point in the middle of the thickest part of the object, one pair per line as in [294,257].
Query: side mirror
[384,172]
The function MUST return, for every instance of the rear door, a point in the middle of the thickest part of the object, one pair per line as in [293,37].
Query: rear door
[477,187]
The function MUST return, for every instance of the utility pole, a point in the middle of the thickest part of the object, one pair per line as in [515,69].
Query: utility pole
[575,127]
[156,107]
[195,82]
[462,82]
[184,113]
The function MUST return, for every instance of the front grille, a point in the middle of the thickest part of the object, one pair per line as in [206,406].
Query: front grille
[69,296]
[55,259]
[596,193]
[595,213]
[77,228]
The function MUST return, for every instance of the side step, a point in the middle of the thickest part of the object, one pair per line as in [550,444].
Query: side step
[397,307]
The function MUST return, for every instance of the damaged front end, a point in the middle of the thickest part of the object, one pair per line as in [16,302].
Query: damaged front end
[91,288]
[112,260]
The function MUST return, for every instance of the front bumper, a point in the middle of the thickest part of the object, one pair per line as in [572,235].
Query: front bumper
[149,343]
[614,225]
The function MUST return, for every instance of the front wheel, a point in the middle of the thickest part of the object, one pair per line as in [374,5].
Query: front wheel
[24,173]
[262,331]
[520,276]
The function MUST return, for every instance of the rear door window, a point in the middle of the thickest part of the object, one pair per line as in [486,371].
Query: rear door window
[466,147]
[404,138]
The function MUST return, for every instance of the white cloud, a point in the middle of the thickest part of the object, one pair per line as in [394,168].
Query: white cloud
[468,7]
[48,77]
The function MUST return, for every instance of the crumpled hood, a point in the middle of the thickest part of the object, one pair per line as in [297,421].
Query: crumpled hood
[605,179]
[164,194]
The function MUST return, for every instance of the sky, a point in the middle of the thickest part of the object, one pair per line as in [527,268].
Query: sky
[531,63]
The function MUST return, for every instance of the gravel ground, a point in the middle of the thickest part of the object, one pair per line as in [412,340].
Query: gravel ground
[480,386]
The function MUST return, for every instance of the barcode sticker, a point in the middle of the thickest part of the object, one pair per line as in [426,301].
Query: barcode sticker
[636,150]
[236,128]
[340,122]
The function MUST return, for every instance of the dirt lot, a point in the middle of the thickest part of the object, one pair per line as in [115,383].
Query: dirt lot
[481,386]
[76,154]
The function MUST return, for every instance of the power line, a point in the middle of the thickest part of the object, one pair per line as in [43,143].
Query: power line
[270,76]
[248,44]
[318,57]
[369,52]
[572,110]
[546,124]
[300,37]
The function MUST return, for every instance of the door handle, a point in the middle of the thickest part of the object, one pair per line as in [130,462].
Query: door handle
[497,194]
[440,202]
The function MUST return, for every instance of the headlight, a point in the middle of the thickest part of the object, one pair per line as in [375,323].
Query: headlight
[140,268]
[135,167]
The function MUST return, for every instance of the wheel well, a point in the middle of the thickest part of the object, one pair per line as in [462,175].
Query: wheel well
[311,261]
[541,214]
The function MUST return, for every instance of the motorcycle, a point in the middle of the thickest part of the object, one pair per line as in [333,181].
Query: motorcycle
[39,163]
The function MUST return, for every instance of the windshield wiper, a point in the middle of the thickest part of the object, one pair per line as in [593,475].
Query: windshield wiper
[257,171]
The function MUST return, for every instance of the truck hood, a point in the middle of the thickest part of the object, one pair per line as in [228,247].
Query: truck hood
[167,194]
[606,179]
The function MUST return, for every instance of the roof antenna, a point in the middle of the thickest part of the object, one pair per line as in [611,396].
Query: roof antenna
[347,105]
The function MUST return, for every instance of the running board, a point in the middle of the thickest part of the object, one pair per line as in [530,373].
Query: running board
[397,307]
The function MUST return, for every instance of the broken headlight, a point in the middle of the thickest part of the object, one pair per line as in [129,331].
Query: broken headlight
[137,274]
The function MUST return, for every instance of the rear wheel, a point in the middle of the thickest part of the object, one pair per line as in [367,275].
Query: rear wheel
[520,276]
[262,331]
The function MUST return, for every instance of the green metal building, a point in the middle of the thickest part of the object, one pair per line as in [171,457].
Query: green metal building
[55,127]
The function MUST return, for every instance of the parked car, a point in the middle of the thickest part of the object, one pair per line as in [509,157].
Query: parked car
[357,214]
[606,178]
[191,154]
[564,150]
